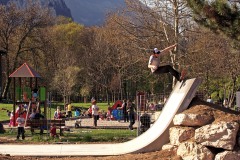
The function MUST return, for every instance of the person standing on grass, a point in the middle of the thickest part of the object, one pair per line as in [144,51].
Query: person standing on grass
[124,109]
[131,113]
[11,119]
[95,113]
[20,121]
[69,110]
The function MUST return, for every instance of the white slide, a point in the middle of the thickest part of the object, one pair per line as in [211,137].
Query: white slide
[151,140]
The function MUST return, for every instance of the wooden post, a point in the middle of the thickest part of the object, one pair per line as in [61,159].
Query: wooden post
[14,102]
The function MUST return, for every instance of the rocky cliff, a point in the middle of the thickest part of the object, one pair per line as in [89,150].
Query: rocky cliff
[58,6]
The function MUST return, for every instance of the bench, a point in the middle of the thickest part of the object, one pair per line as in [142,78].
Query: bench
[44,124]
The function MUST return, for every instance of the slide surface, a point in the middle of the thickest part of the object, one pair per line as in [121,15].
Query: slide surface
[151,140]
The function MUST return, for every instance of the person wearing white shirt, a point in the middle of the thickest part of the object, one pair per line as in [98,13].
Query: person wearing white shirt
[95,113]
[154,63]
[21,122]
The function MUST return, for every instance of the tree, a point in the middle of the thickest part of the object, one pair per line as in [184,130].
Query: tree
[158,26]
[204,55]
[85,91]
[211,57]
[97,68]
[21,30]
[109,58]
[64,81]
[222,17]
[63,57]
[219,15]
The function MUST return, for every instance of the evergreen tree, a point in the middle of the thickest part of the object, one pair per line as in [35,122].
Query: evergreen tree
[221,16]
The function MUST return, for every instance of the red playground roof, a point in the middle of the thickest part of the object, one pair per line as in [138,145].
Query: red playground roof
[25,71]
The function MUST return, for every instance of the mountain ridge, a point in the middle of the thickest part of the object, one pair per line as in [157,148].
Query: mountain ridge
[93,10]
[86,12]
[58,6]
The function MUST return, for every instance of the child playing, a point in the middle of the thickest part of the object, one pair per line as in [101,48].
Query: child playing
[57,113]
[77,112]
[20,120]
[53,131]
[11,119]
[108,115]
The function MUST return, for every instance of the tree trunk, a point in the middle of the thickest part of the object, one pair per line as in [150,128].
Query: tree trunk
[64,100]
[232,92]
[108,100]
[6,88]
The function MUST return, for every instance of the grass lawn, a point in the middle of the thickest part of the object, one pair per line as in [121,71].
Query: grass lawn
[4,107]
[74,136]
[3,111]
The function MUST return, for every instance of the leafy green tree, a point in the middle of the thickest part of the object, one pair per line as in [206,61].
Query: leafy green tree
[64,58]
[64,81]
[85,92]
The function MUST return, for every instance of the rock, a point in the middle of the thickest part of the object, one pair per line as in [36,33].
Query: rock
[194,151]
[168,147]
[192,120]
[238,141]
[227,155]
[219,135]
[180,134]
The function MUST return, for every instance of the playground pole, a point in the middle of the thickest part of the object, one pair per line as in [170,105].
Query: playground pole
[49,104]
[14,102]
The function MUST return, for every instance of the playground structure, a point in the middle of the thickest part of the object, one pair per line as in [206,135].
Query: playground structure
[117,114]
[27,94]
[151,140]
[140,105]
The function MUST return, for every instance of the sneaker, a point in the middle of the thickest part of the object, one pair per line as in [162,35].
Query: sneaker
[183,74]
[130,128]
